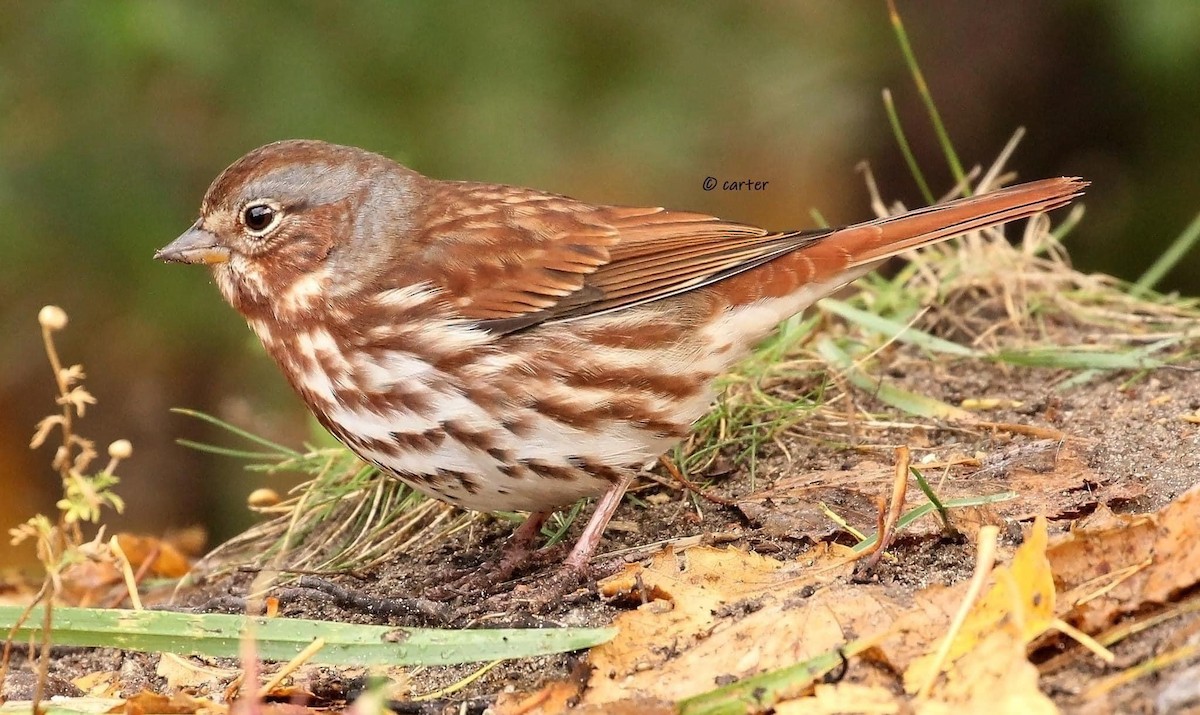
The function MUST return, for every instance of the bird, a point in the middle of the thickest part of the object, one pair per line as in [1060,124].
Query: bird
[508,349]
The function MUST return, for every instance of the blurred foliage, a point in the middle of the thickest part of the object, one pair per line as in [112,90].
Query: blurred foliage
[117,114]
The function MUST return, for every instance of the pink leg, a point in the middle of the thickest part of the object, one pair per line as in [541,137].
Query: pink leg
[581,554]
[525,535]
[515,554]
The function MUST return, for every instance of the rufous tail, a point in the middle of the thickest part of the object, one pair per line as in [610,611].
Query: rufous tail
[852,250]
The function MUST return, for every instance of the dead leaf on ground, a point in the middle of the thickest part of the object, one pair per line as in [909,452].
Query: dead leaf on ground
[168,557]
[179,703]
[555,697]
[185,674]
[100,684]
[720,614]
[711,616]
[1019,602]
[994,677]
[1050,478]
[101,581]
[1111,565]
[845,697]
[792,507]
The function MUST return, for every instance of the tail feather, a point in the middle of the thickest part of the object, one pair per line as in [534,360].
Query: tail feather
[881,238]
[846,253]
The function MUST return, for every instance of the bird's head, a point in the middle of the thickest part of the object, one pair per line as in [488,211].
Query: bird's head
[278,220]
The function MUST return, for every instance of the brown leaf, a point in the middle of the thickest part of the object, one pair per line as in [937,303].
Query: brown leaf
[183,673]
[791,508]
[994,677]
[148,702]
[1050,479]
[1110,565]
[1019,602]
[100,684]
[845,697]
[716,614]
[158,557]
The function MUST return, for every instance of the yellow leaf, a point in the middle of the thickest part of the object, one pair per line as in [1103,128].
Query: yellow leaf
[1020,602]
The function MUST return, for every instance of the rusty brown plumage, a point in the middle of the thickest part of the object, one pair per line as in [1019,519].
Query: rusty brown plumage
[504,348]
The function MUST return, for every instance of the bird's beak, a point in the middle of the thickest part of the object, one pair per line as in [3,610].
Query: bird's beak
[196,245]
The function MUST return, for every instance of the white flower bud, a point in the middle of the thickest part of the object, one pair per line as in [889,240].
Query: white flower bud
[52,317]
[121,449]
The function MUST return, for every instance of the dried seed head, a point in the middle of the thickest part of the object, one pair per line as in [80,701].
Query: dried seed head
[121,449]
[62,457]
[52,317]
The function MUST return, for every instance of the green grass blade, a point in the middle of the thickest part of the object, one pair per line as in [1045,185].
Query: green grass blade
[929,507]
[893,329]
[760,693]
[910,402]
[960,176]
[217,635]
[228,452]
[235,430]
[558,531]
[1163,265]
[770,351]
[1091,374]
[898,132]
[927,489]
[1075,359]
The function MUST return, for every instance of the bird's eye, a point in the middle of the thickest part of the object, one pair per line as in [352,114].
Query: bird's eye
[260,217]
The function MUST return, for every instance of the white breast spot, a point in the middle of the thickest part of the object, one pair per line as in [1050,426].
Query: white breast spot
[378,426]
[303,293]
[394,368]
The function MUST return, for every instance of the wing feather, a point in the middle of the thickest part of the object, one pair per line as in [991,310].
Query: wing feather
[511,258]
[521,257]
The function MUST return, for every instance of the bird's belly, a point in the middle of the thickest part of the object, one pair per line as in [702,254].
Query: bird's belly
[493,433]
[508,495]
[522,459]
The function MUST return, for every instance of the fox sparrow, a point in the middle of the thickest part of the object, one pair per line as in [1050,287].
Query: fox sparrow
[502,348]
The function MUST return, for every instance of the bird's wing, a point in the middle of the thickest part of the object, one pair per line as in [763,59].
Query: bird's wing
[511,257]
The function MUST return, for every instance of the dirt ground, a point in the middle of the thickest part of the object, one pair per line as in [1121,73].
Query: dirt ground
[1139,452]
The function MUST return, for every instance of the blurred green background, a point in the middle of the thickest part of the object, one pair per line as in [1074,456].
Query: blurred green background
[116,115]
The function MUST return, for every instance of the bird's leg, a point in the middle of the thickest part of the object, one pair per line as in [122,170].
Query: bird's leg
[521,544]
[575,570]
[515,554]
[585,547]
[519,551]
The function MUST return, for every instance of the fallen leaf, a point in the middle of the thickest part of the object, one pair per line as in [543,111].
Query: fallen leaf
[995,677]
[716,615]
[1111,565]
[100,684]
[1049,477]
[844,698]
[179,703]
[158,557]
[1020,602]
[188,675]
[792,507]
